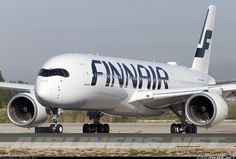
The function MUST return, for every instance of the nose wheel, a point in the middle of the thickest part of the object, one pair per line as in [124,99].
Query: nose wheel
[57,127]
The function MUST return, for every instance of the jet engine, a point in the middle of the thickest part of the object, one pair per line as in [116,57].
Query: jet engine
[25,111]
[206,109]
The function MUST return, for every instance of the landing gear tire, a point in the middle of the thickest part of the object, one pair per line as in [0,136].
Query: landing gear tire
[180,128]
[56,128]
[89,128]
[93,128]
[85,128]
[59,128]
[100,128]
[190,129]
[173,128]
[52,128]
[96,128]
[176,128]
[103,128]
[106,128]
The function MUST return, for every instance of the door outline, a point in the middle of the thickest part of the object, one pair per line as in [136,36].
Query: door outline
[86,75]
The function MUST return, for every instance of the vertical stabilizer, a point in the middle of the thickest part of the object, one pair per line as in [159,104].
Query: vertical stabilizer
[203,52]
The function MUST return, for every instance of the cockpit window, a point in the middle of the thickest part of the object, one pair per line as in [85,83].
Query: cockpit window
[53,72]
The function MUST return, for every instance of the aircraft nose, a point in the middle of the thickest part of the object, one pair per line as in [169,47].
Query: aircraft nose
[43,94]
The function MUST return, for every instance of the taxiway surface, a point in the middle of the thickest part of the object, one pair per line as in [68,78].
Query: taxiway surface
[123,135]
[153,128]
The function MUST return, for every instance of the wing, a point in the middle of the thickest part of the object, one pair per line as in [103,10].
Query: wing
[225,82]
[166,98]
[228,89]
[17,86]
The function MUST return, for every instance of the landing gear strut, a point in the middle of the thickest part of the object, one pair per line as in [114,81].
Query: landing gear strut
[96,126]
[57,127]
[184,126]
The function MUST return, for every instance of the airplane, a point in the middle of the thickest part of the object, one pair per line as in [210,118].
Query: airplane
[123,87]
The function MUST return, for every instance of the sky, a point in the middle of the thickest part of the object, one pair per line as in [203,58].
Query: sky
[160,30]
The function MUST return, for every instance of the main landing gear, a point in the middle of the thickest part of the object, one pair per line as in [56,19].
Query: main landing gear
[96,126]
[184,126]
[180,128]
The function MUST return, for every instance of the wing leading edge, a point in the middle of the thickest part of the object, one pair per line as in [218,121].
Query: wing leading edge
[165,98]
[17,86]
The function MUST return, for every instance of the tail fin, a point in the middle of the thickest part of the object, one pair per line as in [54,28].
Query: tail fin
[203,52]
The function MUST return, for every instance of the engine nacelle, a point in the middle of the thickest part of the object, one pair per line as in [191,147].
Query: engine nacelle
[25,111]
[206,109]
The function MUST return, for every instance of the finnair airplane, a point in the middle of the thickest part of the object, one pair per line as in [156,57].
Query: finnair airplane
[123,87]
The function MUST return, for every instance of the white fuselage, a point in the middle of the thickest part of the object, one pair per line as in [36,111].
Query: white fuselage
[90,82]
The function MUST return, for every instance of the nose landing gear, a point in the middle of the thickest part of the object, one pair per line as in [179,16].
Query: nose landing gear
[57,127]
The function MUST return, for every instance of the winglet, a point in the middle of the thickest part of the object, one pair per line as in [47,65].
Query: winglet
[202,56]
